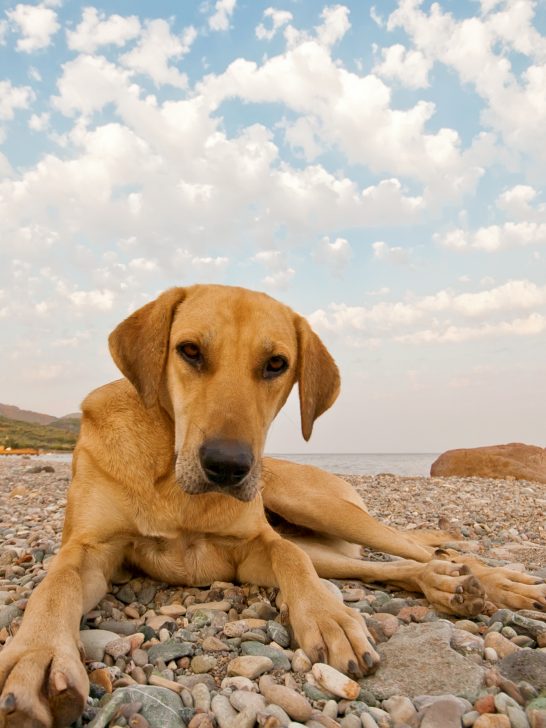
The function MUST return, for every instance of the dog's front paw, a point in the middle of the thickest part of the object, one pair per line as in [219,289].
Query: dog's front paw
[330,632]
[42,685]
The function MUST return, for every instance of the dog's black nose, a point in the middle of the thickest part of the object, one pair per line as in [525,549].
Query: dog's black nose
[225,462]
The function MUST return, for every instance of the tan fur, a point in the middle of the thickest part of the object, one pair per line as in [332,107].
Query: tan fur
[139,496]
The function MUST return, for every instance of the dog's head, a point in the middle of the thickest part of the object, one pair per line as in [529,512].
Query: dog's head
[222,362]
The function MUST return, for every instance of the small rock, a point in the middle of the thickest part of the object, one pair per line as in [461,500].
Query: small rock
[8,613]
[222,606]
[94,642]
[446,711]
[300,661]
[170,650]
[278,633]
[213,644]
[201,697]
[289,700]
[239,683]
[245,700]
[173,610]
[492,720]
[467,643]
[118,647]
[203,663]
[335,682]
[223,711]
[389,623]
[401,710]
[159,706]
[250,666]
[485,704]
[500,644]
[279,659]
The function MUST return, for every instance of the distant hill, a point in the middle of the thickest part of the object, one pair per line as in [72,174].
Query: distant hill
[14,413]
[20,434]
[70,422]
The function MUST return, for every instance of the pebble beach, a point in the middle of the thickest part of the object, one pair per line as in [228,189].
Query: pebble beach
[222,657]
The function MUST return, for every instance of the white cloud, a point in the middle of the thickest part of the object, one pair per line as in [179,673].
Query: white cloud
[3,31]
[518,202]
[280,272]
[353,114]
[496,237]
[531,325]
[335,255]
[88,83]
[143,264]
[96,29]
[334,26]
[278,18]
[408,67]
[37,24]
[101,300]
[224,9]
[157,46]
[39,122]
[476,49]
[12,98]
[390,254]
[433,318]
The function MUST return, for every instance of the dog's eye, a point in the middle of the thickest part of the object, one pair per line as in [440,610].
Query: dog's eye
[190,352]
[274,366]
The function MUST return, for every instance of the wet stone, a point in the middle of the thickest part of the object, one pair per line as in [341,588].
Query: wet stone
[279,659]
[170,650]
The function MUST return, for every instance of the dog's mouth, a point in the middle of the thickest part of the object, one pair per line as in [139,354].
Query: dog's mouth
[194,481]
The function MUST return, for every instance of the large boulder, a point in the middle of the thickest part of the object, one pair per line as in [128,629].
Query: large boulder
[522,462]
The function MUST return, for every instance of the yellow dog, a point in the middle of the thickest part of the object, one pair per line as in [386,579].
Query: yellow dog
[168,476]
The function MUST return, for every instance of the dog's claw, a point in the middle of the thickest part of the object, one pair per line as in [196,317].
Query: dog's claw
[58,683]
[368,659]
[8,703]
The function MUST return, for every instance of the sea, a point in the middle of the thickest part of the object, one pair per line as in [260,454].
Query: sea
[367,463]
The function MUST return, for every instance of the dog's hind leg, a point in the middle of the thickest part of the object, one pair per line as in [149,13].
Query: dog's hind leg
[448,586]
[319,501]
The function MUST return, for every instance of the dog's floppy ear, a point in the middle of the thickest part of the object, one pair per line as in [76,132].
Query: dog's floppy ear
[318,376]
[139,345]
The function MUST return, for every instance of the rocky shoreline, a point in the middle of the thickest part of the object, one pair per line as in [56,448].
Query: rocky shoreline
[222,657]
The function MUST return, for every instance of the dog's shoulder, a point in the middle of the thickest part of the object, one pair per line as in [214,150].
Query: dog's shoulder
[121,434]
[110,400]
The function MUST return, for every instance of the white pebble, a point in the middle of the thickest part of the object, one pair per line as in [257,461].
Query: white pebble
[336,682]
[223,712]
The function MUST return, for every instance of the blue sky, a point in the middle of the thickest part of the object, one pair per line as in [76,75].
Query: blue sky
[379,168]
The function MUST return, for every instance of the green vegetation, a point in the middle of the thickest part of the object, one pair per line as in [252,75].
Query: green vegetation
[59,435]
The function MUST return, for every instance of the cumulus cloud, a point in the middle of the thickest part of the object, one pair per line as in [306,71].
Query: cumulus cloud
[390,254]
[280,273]
[492,238]
[519,203]
[433,317]
[97,29]
[36,24]
[353,113]
[409,67]
[223,10]
[276,19]
[13,98]
[335,255]
[156,47]
[476,49]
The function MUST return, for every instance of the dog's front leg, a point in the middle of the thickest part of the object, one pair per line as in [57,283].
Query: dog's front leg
[42,678]
[324,627]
